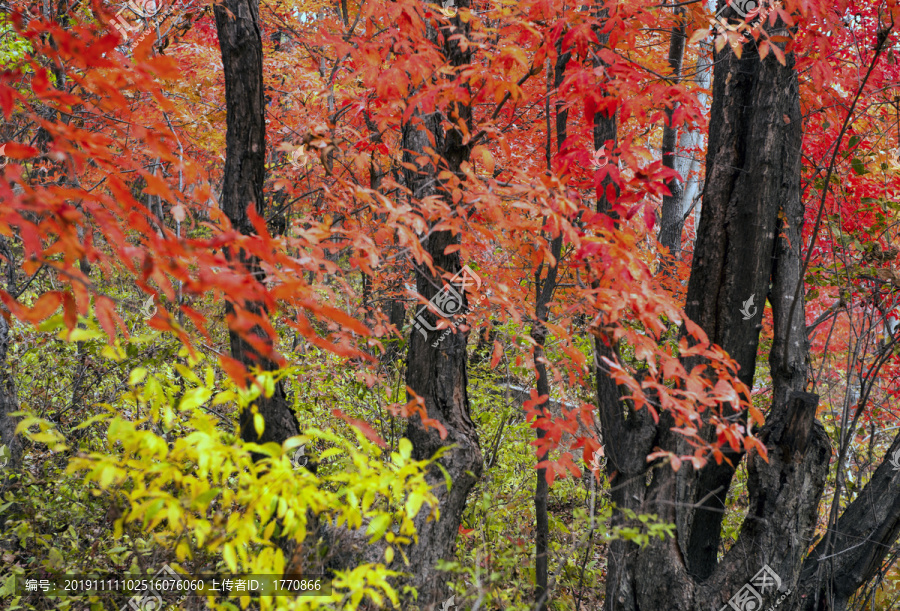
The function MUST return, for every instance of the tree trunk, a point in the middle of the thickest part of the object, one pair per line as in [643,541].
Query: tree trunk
[436,369]
[11,456]
[688,159]
[672,219]
[544,289]
[240,40]
[749,236]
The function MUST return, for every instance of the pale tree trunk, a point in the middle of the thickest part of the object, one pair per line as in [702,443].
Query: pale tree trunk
[671,221]
[688,156]
[11,458]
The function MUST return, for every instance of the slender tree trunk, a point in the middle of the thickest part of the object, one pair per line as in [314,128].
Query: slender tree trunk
[11,457]
[240,41]
[544,288]
[436,369]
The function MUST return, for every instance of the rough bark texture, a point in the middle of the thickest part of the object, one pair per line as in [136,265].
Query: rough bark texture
[438,374]
[544,288]
[752,169]
[240,41]
[832,573]
[749,236]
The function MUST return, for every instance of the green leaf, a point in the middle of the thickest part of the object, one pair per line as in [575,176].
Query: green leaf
[9,586]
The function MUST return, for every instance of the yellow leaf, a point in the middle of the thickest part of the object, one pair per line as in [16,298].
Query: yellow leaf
[230,557]
[137,376]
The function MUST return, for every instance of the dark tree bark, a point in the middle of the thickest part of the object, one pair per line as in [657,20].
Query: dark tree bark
[8,404]
[752,173]
[836,569]
[437,373]
[749,237]
[240,41]
[544,288]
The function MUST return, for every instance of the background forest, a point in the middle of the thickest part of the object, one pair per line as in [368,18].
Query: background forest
[469,304]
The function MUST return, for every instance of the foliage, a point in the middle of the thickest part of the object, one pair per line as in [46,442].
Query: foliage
[118,269]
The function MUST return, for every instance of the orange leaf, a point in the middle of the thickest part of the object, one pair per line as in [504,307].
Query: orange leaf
[497,355]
